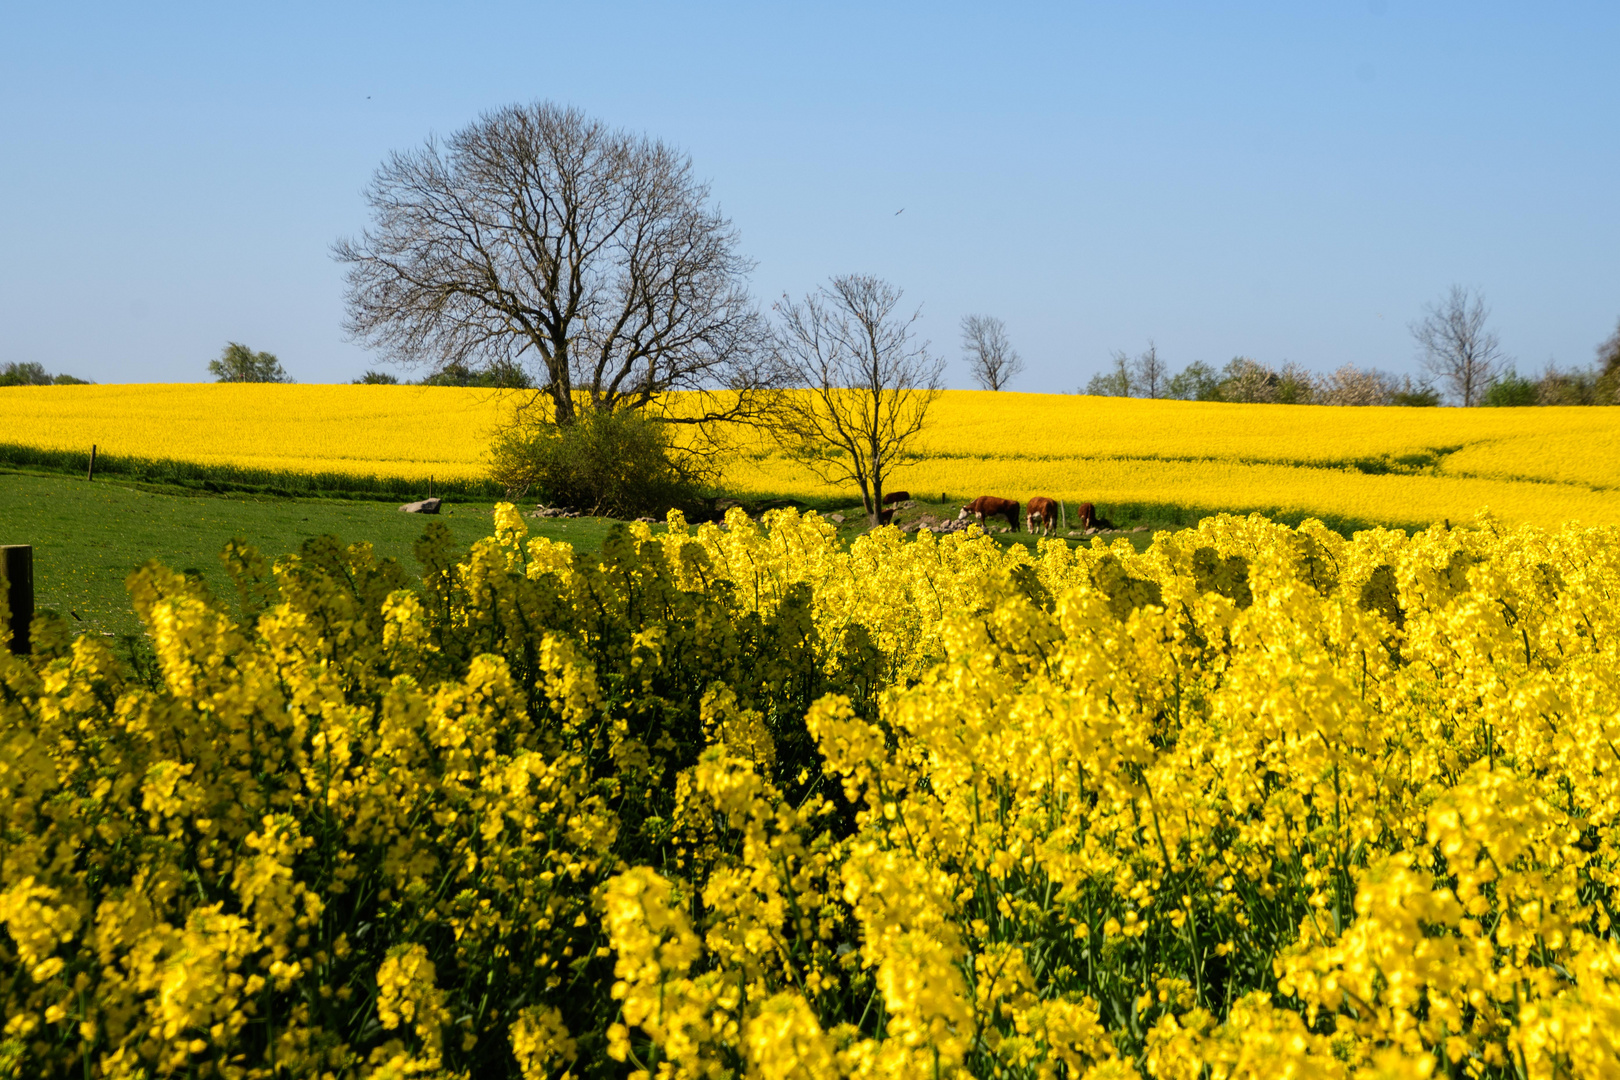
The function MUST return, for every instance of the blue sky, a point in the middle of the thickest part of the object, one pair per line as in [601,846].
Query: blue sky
[1283,181]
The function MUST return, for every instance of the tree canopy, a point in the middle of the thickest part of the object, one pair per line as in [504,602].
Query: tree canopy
[238,363]
[539,237]
[869,383]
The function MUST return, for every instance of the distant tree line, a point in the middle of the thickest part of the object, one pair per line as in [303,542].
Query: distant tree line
[501,375]
[1596,385]
[1248,381]
[1457,350]
[32,374]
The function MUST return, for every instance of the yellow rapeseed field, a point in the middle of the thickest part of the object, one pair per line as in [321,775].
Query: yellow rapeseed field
[1400,466]
[1257,802]
[411,432]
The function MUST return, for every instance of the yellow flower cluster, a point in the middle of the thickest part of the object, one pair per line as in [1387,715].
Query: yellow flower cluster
[739,801]
[1388,465]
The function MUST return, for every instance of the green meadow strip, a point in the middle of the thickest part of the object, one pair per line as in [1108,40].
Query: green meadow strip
[236,478]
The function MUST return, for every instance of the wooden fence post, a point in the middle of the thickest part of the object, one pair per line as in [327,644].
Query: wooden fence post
[91,475]
[18,560]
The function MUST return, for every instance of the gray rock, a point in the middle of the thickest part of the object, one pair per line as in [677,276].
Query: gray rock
[425,506]
[836,519]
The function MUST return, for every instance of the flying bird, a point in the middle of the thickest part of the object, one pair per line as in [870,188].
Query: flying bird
[900,211]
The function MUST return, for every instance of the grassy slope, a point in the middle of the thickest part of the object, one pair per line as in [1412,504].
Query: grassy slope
[235,479]
[88,537]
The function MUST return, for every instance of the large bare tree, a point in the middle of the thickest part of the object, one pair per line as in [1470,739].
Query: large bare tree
[865,383]
[591,256]
[989,352]
[1457,349]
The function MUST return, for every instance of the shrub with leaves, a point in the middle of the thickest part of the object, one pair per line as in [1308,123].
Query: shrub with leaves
[616,463]
[238,363]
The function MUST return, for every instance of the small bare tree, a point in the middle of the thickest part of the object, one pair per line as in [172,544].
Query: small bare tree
[535,235]
[1457,349]
[867,383]
[1120,382]
[1149,375]
[989,353]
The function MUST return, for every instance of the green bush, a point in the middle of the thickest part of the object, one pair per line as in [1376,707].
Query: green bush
[1196,382]
[30,373]
[617,464]
[238,363]
[1510,391]
[1422,396]
[24,374]
[501,375]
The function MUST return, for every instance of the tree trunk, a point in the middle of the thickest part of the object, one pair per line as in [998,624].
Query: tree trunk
[562,406]
[876,509]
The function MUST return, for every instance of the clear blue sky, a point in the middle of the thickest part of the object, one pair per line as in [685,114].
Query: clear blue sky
[1288,181]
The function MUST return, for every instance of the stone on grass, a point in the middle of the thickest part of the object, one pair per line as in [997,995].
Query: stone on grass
[425,506]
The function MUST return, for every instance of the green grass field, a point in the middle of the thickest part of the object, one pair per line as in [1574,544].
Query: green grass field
[88,537]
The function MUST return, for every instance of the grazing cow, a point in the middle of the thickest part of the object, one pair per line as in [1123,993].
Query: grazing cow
[988,506]
[886,516]
[1090,520]
[896,496]
[1043,512]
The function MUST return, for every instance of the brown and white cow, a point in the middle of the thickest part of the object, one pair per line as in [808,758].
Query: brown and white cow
[1043,512]
[1089,519]
[988,506]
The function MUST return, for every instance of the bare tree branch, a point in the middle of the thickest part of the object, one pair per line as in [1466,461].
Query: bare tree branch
[867,383]
[989,352]
[540,237]
[1457,348]
[1149,373]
